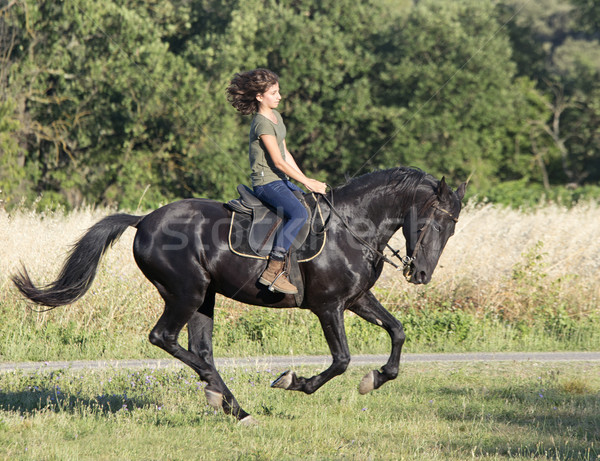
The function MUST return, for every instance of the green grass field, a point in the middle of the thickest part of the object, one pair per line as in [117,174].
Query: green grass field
[432,411]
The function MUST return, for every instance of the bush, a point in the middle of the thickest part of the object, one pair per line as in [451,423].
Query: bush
[524,194]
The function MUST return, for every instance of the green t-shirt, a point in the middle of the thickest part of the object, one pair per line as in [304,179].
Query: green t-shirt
[263,169]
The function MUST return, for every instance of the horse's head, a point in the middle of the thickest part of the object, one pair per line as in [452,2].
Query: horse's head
[427,227]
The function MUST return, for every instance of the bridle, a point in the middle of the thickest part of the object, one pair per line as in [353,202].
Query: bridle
[434,206]
[404,260]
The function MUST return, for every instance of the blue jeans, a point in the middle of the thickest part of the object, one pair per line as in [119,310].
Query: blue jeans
[279,195]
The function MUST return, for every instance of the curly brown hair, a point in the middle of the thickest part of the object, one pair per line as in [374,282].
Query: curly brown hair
[244,87]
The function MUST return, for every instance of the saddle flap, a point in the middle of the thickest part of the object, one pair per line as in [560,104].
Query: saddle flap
[263,228]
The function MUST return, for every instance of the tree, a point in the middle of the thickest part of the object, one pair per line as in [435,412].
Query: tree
[565,63]
[123,103]
[453,105]
[587,13]
[114,114]
[11,169]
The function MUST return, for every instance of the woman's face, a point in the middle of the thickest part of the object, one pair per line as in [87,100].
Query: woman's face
[270,98]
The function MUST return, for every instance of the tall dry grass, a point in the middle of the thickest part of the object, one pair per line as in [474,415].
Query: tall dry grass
[499,260]
[509,261]
[41,241]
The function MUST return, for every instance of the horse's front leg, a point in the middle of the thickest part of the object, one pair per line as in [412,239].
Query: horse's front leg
[332,322]
[372,311]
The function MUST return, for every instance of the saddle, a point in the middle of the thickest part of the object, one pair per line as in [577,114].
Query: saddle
[254,225]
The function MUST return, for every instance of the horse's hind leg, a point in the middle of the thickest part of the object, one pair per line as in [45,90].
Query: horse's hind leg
[200,329]
[332,322]
[179,311]
[372,311]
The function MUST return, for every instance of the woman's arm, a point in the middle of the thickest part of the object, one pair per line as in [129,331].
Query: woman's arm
[290,167]
[290,158]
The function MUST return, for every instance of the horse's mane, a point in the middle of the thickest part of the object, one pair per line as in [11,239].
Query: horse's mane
[401,182]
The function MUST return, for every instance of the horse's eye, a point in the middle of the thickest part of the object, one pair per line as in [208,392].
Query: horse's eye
[436,228]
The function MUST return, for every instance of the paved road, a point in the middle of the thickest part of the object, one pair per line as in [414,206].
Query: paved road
[285,362]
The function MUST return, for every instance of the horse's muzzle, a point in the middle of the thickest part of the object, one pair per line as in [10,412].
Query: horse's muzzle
[415,276]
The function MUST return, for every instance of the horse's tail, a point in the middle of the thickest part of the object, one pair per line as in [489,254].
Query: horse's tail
[79,269]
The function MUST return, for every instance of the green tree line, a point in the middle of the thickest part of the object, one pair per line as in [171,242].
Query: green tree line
[123,103]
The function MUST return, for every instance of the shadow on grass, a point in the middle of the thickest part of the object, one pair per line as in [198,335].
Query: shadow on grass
[529,421]
[28,402]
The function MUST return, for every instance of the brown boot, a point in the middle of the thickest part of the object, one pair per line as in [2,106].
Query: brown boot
[276,278]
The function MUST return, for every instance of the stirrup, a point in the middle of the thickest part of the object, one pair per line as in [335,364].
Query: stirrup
[271,287]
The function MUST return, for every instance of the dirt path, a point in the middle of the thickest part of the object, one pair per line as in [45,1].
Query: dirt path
[285,362]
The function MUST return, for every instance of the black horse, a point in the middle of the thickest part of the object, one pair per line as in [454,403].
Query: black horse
[182,249]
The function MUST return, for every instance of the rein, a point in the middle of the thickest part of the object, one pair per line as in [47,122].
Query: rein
[405,260]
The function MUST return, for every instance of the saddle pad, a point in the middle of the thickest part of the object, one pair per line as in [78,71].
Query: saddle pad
[239,231]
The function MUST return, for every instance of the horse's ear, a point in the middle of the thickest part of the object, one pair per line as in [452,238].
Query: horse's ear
[461,191]
[443,191]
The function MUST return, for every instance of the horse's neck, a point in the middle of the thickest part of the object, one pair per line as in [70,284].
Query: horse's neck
[376,212]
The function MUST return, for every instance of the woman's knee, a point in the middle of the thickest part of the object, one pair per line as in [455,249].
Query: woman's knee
[299,213]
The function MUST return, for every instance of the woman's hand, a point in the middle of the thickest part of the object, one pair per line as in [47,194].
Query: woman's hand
[315,186]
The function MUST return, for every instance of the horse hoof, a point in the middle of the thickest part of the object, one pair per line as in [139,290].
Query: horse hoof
[367,384]
[215,399]
[248,421]
[284,381]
